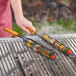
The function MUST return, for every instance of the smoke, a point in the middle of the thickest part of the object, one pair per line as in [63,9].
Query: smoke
[52,29]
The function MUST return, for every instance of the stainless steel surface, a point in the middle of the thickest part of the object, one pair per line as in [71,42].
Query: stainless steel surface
[33,64]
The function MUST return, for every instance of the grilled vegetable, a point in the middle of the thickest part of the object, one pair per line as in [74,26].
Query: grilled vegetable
[39,49]
[56,44]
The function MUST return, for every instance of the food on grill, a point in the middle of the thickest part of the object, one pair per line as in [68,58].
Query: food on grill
[40,49]
[11,31]
[33,45]
[56,44]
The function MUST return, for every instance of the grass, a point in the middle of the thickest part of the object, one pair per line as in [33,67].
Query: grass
[67,25]
[17,29]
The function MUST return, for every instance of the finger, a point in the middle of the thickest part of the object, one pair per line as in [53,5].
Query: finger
[29,24]
[32,27]
[24,29]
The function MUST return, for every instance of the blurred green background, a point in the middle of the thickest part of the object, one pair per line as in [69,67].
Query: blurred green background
[59,15]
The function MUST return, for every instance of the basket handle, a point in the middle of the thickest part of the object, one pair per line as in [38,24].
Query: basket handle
[11,31]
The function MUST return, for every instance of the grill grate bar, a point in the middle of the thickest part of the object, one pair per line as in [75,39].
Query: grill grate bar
[4,63]
[29,59]
[14,53]
[18,73]
[34,64]
[10,58]
[20,54]
[13,64]
[71,60]
[1,73]
[68,67]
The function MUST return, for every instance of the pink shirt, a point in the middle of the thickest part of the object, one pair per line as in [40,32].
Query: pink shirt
[5,18]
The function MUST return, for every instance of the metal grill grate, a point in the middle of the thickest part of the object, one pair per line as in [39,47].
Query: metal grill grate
[18,60]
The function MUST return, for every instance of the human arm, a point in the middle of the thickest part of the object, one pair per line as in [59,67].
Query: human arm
[21,21]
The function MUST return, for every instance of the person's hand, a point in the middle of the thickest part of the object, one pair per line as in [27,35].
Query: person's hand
[23,23]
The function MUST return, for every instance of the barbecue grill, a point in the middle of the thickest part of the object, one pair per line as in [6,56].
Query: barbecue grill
[18,60]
